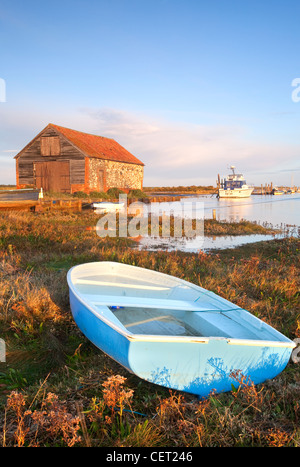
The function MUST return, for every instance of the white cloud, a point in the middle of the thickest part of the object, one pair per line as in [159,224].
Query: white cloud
[174,153]
[182,154]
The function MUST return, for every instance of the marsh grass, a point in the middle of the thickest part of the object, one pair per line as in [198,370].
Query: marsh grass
[175,226]
[57,389]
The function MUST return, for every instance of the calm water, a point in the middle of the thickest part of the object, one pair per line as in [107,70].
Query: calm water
[281,211]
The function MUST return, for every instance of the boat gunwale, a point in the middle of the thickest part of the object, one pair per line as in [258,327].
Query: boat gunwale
[166,338]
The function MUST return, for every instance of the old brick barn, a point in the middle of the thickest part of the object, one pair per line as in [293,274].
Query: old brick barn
[62,160]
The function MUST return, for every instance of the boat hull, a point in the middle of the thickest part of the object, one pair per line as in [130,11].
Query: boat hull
[196,365]
[201,368]
[19,195]
[236,193]
[100,333]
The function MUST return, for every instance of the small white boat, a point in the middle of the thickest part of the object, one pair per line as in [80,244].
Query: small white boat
[107,206]
[171,332]
[234,186]
[276,191]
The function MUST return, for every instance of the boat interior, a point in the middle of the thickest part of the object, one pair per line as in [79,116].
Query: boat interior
[156,304]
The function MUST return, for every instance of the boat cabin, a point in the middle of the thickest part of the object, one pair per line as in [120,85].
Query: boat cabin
[234,181]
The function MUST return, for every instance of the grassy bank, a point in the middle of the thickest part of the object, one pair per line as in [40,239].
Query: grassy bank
[193,189]
[164,226]
[57,389]
[111,194]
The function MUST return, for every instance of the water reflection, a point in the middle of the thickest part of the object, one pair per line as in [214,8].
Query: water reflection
[201,243]
[266,210]
[259,208]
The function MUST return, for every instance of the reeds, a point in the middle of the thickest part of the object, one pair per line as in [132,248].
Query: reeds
[240,418]
[86,398]
[52,422]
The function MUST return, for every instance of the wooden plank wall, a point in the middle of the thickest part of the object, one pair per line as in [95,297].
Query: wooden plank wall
[53,176]
[50,145]
[32,155]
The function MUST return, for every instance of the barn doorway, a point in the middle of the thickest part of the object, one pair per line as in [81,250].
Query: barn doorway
[53,176]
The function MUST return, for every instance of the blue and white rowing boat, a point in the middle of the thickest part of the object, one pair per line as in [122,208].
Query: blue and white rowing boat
[171,332]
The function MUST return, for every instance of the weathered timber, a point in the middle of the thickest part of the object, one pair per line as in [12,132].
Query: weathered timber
[86,165]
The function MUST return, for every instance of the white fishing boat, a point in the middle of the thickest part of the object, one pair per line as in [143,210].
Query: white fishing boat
[277,191]
[171,332]
[234,186]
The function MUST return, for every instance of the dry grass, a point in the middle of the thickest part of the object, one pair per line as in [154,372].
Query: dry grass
[86,399]
[241,418]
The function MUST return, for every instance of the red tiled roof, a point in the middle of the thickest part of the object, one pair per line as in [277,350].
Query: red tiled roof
[98,146]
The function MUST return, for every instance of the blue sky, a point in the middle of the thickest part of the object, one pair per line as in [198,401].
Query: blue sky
[188,86]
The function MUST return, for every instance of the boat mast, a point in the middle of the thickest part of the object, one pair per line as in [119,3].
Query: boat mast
[232,168]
